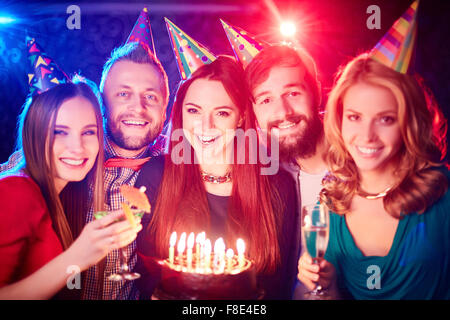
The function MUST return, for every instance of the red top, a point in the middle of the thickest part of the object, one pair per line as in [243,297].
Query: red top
[27,238]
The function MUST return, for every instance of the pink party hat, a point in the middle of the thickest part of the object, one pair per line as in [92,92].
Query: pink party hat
[190,54]
[395,50]
[245,45]
[142,32]
[43,73]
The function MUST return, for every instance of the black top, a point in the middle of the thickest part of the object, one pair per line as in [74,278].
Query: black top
[278,285]
[218,205]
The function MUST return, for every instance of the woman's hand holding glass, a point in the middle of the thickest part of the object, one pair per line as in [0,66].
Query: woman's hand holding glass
[312,274]
[101,236]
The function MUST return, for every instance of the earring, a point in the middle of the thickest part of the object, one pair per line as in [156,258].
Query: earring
[241,122]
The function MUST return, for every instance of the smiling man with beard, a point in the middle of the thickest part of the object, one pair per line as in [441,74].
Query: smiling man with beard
[286,98]
[135,96]
[135,92]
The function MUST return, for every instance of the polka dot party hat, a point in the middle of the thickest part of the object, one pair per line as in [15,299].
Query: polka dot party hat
[190,54]
[142,32]
[245,45]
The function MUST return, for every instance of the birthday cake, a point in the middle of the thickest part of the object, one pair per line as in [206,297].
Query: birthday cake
[178,282]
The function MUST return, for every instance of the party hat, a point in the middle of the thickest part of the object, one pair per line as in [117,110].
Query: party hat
[245,45]
[142,32]
[43,73]
[396,48]
[190,54]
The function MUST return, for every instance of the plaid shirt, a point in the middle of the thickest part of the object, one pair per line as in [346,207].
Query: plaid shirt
[113,179]
[12,162]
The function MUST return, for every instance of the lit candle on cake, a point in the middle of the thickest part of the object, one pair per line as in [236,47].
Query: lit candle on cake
[230,254]
[207,254]
[181,247]
[173,241]
[200,240]
[240,245]
[190,245]
[219,255]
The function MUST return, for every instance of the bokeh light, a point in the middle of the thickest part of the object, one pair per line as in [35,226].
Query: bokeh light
[288,29]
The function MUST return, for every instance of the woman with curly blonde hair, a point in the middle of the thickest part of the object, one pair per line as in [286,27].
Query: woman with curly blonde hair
[387,189]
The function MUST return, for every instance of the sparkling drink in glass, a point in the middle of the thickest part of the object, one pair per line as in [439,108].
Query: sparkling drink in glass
[315,230]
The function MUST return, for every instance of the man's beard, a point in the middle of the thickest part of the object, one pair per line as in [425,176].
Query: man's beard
[303,145]
[131,142]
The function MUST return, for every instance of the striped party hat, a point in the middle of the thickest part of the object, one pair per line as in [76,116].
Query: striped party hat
[395,50]
[190,54]
[43,73]
[142,33]
[245,45]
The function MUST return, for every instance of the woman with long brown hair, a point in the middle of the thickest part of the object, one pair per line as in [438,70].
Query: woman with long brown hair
[211,181]
[388,189]
[43,200]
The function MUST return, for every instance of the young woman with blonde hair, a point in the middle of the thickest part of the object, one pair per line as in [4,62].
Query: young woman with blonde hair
[387,189]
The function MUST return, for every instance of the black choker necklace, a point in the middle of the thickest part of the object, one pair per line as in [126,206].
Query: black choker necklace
[216,179]
[373,196]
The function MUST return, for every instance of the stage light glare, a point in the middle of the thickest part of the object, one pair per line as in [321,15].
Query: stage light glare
[288,29]
[7,19]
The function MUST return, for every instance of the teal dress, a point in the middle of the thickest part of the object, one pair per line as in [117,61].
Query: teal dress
[416,267]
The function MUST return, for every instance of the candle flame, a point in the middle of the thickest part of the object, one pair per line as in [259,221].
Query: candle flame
[230,253]
[182,243]
[190,241]
[200,237]
[219,246]
[173,239]
[207,247]
[240,244]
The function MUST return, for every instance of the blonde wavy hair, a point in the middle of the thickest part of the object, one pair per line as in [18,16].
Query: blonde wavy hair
[423,129]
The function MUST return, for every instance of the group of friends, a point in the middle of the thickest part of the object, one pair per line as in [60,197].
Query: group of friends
[374,155]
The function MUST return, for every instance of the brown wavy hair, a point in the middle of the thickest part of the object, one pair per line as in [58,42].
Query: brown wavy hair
[255,208]
[423,129]
[36,135]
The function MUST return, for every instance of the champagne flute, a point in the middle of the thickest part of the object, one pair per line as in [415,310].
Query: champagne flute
[315,230]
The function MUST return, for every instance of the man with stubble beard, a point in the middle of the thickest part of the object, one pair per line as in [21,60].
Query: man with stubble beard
[135,91]
[286,99]
[135,94]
